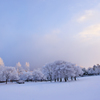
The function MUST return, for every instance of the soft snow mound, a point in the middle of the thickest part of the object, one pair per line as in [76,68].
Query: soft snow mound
[86,88]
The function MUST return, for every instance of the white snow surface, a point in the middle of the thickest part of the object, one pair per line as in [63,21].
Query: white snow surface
[85,88]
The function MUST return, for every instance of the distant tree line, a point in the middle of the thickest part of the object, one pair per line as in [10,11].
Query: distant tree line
[95,70]
[56,71]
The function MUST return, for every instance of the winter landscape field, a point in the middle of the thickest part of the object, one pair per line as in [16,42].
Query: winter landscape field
[85,88]
[49,50]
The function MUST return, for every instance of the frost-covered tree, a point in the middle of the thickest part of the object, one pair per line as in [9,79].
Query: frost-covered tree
[10,73]
[2,75]
[26,76]
[84,71]
[1,62]
[14,74]
[78,71]
[59,70]
[69,71]
[96,69]
[64,70]
[91,71]
[27,66]
[37,75]
[7,73]
[19,68]
[2,68]
[47,70]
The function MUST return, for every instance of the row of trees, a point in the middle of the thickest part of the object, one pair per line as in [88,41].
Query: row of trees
[95,70]
[18,73]
[56,71]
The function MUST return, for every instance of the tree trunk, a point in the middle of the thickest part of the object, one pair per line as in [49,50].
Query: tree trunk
[65,79]
[6,81]
[71,78]
[75,78]
[50,78]
[60,79]
[47,78]
[57,79]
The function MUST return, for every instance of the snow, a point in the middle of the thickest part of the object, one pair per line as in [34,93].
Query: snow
[85,88]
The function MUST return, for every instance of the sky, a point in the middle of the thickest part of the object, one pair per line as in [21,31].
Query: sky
[43,31]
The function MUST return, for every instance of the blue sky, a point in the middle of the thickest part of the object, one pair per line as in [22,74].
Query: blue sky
[42,31]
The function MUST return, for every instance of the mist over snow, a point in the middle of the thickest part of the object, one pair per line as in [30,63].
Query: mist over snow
[43,31]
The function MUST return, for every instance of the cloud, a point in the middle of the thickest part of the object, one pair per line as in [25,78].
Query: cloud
[50,38]
[86,16]
[91,32]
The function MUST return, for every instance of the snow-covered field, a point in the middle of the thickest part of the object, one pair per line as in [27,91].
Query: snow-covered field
[85,88]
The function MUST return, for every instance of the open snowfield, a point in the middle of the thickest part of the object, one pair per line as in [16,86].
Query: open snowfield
[85,88]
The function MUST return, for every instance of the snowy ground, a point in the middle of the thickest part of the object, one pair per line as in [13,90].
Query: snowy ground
[85,88]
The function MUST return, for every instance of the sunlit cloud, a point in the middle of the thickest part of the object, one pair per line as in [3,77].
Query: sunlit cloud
[91,32]
[87,15]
